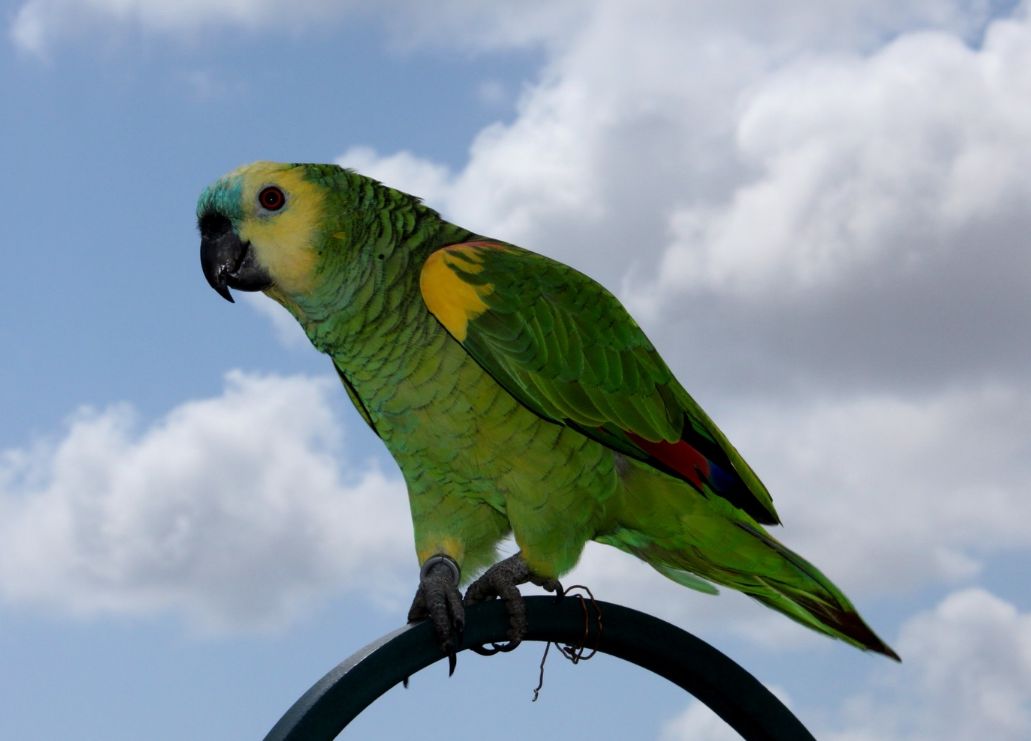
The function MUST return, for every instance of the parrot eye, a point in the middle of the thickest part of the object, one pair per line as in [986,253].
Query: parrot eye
[272,198]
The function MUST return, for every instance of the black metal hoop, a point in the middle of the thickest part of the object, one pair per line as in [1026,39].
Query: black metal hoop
[711,676]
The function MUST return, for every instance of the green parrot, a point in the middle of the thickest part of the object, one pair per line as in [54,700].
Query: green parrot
[517,396]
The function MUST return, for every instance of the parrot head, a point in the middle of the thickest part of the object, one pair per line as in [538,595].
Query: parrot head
[262,226]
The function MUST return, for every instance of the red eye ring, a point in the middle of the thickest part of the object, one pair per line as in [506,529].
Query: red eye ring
[272,198]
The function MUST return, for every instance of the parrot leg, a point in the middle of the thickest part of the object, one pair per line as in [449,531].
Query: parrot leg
[502,580]
[439,600]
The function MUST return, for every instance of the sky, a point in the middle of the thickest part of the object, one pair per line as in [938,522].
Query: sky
[817,211]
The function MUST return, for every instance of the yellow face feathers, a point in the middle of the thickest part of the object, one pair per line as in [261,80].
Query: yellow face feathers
[281,237]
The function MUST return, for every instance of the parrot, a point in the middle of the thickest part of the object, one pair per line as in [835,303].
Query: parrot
[518,397]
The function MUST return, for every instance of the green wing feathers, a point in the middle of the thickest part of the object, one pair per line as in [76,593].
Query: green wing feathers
[567,349]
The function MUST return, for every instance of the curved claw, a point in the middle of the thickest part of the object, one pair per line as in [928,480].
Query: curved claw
[551,585]
[439,600]
[501,581]
[495,648]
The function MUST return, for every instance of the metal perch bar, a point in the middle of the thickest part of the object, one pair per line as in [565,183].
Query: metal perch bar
[712,677]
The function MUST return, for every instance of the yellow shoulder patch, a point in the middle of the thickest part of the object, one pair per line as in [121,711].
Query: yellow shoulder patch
[448,297]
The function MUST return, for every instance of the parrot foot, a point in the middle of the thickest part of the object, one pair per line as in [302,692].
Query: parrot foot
[502,581]
[439,600]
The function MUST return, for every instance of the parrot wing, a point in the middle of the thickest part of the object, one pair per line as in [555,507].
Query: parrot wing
[567,350]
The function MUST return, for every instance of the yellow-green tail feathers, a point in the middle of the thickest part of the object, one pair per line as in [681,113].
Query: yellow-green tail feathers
[813,600]
[755,563]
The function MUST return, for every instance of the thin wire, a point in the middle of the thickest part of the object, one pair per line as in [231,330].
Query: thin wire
[575,654]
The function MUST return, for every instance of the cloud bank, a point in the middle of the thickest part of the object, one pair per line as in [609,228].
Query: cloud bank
[966,670]
[232,512]
[838,215]
[819,213]
[821,220]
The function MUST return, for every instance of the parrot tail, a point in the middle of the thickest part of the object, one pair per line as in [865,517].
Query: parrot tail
[698,540]
[758,565]
[812,600]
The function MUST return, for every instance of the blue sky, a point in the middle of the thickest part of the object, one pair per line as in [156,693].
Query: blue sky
[819,214]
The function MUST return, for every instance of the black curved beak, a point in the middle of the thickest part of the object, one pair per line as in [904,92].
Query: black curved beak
[227,262]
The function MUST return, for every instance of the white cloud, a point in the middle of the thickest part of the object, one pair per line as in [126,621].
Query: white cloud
[885,496]
[402,170]
[39,25]
[29,28]
[887,493]
[697,723]
[832,210]
[285,328]
[492,93]
[841,237]
[232,512]
[819,210]
[822,212]
[966,674]
[880,205]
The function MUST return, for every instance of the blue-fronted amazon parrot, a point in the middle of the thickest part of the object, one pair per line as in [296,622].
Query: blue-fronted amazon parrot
[517,396]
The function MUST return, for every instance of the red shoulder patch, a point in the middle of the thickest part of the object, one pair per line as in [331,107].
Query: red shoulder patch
[678,456]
